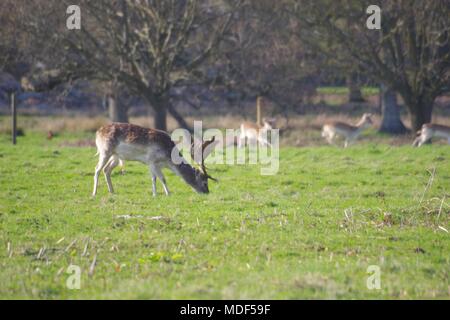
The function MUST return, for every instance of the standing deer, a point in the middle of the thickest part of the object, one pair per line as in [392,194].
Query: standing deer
[349,132]
[429,131]
[255,133]
[123,141]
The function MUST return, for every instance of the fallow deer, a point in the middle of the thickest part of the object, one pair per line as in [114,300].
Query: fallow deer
[349,132]
[255,133]
[429,131]
[122,141]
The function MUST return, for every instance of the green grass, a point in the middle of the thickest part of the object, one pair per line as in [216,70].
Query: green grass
[309,232]
[366,91]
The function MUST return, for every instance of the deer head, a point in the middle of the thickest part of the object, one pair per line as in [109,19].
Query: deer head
[269,123]
[199,156]
[366,120]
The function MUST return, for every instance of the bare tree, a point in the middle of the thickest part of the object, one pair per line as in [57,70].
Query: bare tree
[354,94]
[116,102]
[391,121]
[411,54]
[14,50]
[150,46]
[265,58]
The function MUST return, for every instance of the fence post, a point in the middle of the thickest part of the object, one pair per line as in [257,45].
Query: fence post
[258,110]
[14,117]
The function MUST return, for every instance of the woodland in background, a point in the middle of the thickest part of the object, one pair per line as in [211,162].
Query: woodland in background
[169,51]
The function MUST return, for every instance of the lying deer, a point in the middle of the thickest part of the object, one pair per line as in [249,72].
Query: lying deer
[255,133]
[429,131]
[122,141]
[349,132]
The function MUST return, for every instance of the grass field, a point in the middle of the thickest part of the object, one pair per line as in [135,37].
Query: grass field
[366,91]
[309,232]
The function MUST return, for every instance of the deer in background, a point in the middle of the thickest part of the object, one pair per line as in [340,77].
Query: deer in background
[122,141]
[349,132]
[429,131]
[255,133]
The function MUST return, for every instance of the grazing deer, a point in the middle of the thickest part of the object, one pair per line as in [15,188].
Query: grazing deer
[122,141]
[255,133]
[429,131]
[122,166]
[349,132]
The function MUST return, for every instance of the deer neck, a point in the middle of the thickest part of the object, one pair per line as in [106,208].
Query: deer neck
[186,171]
[361,125]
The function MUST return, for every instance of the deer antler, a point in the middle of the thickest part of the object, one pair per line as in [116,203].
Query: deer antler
[205,145]
[204,154]
[192,148]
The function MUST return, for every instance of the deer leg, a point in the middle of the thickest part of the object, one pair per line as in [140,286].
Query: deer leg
[346,143]
[163,180]
[240,144]
[264,137]
[157,171]
[153,174]
[329,137]
[264,142]
[423,139]
[420,142]
[166,190]
[102,161]
[112,163]
[154,185]
[122,166]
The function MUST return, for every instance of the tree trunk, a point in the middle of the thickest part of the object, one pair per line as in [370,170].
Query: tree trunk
[420,111]
[355,94]
[159,105]
[390,111]
[117,111]
[160,118]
